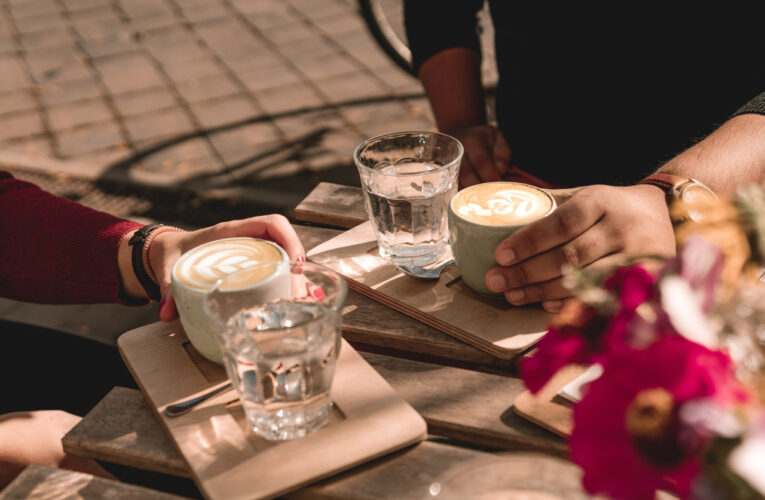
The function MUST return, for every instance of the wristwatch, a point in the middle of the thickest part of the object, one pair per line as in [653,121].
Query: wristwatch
[694,195]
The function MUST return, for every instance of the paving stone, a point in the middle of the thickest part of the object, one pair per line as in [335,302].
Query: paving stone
[55,69]
[398,80]
[229,38]
[277,15]
[100,22]
[166,123]
[301,50]
[21,125]
[289,98]
[145,8]
[295,126]
[12,76]
[77,142]
[269,78]
[158,22]
[196,90]
[335,25]
[351,87]
[415,123]
[291,32]
[20,100]
[69,116]
[115,44]
[80,5]
[245,142]
[69,92]
[174,45]
[42,22]
[322,8]
[258,58]
[37,145]
[128,73]
[191,157]
[144,101]
[182,72]
[204,12]
[224,111]
[378,112]
[326,66]
[41,40]
[7,45]
[33,8]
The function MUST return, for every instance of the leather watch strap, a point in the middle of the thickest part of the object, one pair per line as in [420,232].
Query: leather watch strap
[137,242]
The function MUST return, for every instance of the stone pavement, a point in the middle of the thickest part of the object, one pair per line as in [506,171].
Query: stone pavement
[190,111]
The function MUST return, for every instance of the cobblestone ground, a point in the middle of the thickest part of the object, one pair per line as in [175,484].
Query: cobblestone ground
[271,95]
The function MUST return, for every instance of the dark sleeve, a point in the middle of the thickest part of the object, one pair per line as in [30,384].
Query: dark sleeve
[56,251]
[436,25]
[756,105]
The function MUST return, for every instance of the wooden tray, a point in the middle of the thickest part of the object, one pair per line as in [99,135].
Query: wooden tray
[491,325]
[547,408]
[230,462]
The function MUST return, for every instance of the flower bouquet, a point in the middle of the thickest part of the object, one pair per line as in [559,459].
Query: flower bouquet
[680,404]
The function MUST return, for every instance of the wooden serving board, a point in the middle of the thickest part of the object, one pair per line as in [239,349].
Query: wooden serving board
[491,325]
[227,460]
[546,408]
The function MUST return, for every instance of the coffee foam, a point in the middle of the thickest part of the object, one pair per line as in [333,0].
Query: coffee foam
[202,266]
[501,203]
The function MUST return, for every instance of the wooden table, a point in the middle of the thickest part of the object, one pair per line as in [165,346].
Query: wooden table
[464,394]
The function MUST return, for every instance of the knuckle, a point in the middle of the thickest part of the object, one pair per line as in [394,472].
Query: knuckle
[568,256]
[567,222]
[519,277]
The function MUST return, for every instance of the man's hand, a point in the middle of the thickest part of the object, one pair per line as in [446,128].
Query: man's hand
[487,155]
[595,227]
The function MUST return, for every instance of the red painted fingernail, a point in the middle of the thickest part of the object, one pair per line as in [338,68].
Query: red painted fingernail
[301,259]
[318,293]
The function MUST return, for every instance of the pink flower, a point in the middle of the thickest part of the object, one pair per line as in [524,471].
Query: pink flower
[582,335]
[627,436]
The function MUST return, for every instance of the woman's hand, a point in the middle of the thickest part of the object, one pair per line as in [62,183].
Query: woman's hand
[168,246]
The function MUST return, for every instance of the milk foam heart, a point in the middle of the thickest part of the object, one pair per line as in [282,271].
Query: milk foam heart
[501,204]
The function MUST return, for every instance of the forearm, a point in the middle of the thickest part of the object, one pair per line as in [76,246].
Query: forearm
[56,251]
[731,157]
[452,81]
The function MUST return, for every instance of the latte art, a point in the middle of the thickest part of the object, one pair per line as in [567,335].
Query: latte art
[202,266]
[501,204]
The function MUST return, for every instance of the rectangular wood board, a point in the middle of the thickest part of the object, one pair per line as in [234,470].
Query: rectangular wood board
[492,325]
[547,408]
[227,461]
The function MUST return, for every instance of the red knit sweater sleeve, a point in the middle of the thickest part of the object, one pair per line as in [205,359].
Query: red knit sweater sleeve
[55,251]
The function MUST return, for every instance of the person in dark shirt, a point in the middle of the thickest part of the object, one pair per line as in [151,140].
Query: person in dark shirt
[600,95]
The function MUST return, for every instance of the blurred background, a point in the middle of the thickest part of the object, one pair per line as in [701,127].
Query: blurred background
[191,112]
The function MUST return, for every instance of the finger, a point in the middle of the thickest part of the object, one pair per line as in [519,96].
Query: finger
[563,195]
[501,152]
[555,306]
[563,225]
[583,250]
[555,289]
[479,152]
[277,228]
[167,308]
[467,174]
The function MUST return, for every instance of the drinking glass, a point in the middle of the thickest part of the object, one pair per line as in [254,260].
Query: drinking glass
[280,355]
[408,179]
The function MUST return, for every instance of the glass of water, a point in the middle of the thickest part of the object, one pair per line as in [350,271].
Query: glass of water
[280,355]
[408,180]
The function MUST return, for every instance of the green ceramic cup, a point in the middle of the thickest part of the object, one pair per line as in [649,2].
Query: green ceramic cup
[483,215]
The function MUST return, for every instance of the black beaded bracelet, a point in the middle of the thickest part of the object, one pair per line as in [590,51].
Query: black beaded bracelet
[137,242]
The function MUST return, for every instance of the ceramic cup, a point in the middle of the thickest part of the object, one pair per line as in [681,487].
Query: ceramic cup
[483,215]
[201,267]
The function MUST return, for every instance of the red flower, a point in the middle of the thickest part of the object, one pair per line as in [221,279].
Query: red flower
[582,335]
[627,436]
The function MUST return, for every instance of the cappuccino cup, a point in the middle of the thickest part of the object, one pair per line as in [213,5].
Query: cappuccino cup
[201,267]
[482,216]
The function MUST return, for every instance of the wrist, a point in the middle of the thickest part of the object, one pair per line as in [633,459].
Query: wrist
[129,284]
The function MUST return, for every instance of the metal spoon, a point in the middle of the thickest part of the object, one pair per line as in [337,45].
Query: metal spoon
[178,409]
[425,273]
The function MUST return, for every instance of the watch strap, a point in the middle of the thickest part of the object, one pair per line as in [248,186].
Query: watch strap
[138,242]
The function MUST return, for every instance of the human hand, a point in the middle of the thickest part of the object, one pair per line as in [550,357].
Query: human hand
[168,246]
[595,226]
[487,155]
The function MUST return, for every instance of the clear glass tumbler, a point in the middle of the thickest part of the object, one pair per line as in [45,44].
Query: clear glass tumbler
[280,355]
[408,180]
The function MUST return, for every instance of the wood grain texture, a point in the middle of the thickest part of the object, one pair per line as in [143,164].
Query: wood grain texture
[491,325]
[123,429]
[369,322]
[333,205]
[223,455]
[38,482]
